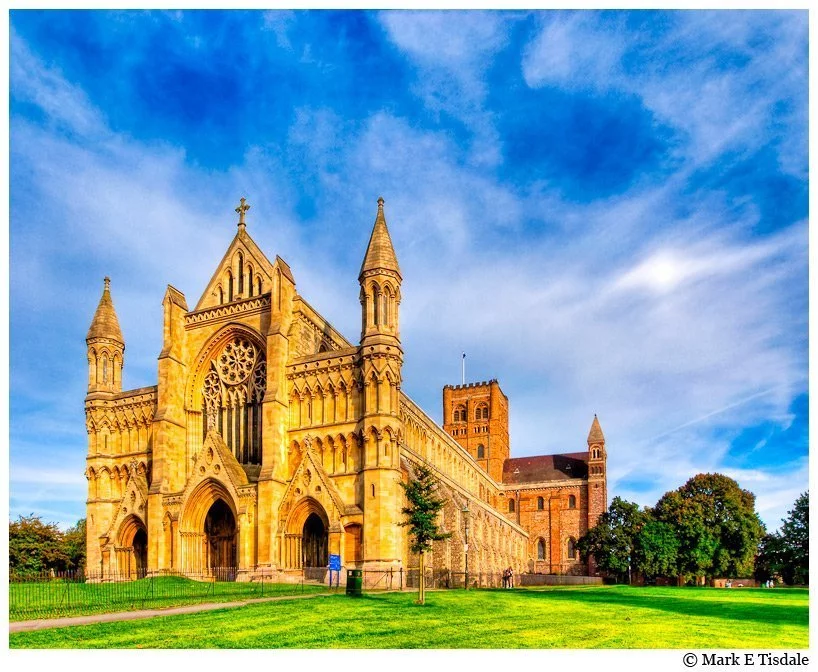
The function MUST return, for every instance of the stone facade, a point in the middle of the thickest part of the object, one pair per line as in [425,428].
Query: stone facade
[270,441]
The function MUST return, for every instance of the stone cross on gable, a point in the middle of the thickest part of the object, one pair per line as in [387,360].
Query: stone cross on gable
[242,209]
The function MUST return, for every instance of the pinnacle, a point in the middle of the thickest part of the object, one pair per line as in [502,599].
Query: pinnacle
[596,435]
[105,323]
[379,253]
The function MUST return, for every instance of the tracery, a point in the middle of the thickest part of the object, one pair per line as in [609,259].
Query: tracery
[232,393]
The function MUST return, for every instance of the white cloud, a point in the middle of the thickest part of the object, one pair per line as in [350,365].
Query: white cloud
[573,50]
[65,104]
[718,79]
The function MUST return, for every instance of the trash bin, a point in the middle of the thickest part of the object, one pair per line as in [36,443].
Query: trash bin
[355,580]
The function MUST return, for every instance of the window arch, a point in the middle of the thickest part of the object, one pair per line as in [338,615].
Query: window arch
[481,452]
[481,412]
[540,503]
[232,392]
[572,502]
[511,506]
[460,414]
[229,286]
[241,273]
[572,548]
[540,549]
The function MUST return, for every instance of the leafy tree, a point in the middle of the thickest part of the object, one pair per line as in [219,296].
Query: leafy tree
[74,545]
[611,541]
[423,505]
[656,549]
[795,536]
[770,559]
[35,546]
[716,525]
[786,553]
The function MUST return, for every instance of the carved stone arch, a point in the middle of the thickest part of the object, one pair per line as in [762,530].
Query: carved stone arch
[197,504]
[104,483]
[249,274]
[208,353]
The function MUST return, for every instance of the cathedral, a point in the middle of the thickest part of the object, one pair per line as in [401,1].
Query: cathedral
[270,441]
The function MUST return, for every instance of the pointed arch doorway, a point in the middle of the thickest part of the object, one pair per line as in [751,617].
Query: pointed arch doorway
[314,542]
[306,541]
[220,541]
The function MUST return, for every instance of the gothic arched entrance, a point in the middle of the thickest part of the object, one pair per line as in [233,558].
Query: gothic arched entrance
[132,548]
[140,552]
[220,540]
[314,542]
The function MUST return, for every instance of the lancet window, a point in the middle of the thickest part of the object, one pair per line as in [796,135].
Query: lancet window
[232,393]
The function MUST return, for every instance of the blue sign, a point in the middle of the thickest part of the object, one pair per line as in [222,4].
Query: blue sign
[335,562]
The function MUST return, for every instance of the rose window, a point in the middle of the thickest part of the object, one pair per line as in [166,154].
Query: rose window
[231,398]
[236,361]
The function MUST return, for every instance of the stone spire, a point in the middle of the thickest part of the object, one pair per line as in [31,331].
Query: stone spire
[380,255]
[105,323]
[595,435]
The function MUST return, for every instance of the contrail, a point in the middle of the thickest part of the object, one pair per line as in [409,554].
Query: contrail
[712,413]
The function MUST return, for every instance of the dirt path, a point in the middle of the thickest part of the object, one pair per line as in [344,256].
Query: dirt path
[41,624]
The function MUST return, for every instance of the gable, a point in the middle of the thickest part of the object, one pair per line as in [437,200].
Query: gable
[310,479]
[244,271]
[134,502]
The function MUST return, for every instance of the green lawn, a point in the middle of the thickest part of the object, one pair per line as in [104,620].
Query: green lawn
[52,599]
[564,617]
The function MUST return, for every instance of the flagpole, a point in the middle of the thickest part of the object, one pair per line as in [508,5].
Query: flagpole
[463,371]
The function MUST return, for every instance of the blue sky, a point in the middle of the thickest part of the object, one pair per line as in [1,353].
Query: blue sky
[607,211]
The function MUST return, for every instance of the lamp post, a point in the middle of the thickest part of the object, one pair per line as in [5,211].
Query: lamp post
[466,544]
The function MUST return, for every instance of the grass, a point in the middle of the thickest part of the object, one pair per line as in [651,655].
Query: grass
[556,617]
[51,599]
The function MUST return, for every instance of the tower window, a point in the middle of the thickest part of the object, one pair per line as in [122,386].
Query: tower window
[460,414]
[572,502]
[540,549]
[540,503]
[481,412]
[572,549]
[511,506]
[481,452]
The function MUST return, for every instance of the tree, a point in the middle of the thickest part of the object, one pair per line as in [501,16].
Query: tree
[74,545]
[786,553]
[35,546]
[423,505]
[795,536]
[656,549]
[769,561]
[716,525]
[611,541]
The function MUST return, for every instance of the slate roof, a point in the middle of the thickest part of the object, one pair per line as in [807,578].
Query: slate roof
[539,468]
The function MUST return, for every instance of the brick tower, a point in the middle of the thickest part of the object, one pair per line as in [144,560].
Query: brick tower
[476,416]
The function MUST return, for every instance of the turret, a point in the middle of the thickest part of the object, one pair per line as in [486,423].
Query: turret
[381,361]
[380,281]
[106,347]
[597,477]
